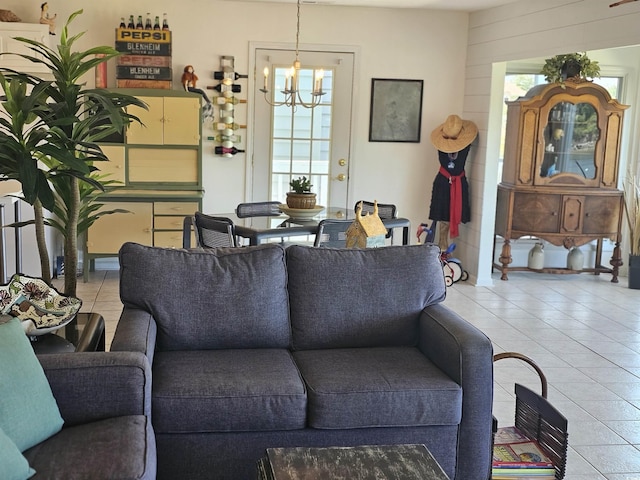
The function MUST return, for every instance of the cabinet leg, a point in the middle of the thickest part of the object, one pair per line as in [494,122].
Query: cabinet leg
[616,262]
[505,258]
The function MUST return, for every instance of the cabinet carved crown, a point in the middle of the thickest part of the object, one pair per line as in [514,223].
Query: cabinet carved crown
[563,135]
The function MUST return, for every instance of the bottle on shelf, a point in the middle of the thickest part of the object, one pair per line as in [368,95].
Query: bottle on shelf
[156,23]
[227,126]
[235,88]
[227,151]
[232,100]
[165,23]
[147,23]
[220,75]
[131,24]
[139,24]
[122,24]
[220,138]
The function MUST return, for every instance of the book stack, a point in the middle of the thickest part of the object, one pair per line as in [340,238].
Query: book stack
[517,457]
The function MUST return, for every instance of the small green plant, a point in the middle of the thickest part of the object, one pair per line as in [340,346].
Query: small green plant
[555,68]
[300,185]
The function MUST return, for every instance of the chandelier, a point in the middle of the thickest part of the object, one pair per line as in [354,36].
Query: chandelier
[291,91]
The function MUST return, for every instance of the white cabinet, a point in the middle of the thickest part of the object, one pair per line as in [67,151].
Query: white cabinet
[8,44]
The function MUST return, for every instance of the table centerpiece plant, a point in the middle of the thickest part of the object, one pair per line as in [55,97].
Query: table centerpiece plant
[300,195]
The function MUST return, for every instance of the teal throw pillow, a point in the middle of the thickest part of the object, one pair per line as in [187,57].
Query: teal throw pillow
[14,465]
[28,412]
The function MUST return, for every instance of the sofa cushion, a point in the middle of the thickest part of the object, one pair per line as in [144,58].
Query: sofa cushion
[117,447]
[227,391]
[377,387]
[212,299]
[343,298]
[14,465]
[28,412]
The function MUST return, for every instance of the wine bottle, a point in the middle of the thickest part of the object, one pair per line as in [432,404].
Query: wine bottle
[139,24]
[165,23]
[235,88]
[156,24]
[224,74]
[227,126]
[131,24]
[147,23]
[233,100]
[226,138]
[228,151]
[122,24]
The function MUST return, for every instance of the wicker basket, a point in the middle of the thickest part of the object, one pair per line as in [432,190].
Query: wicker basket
[301,200]
[538,419]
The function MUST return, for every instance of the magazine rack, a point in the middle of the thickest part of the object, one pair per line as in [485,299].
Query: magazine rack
[538,419]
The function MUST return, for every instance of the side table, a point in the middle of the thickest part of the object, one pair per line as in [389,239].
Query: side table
[372,462]
[85,333]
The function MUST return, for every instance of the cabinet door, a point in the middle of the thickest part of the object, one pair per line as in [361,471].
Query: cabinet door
[157,165]
[602,214]
[114,168]
[150,132]
[572,213]
[536,213]
[109,232]
[182,120]
[168,121]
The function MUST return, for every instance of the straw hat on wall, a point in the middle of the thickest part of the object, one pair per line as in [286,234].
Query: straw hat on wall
[454,134]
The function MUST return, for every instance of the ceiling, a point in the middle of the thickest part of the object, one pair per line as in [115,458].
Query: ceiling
[461,5]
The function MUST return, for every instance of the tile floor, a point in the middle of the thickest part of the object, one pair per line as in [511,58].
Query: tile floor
[582,330]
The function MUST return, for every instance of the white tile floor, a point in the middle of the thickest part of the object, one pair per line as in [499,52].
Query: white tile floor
[582,330]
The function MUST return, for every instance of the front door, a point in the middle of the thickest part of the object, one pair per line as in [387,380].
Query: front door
[311,142]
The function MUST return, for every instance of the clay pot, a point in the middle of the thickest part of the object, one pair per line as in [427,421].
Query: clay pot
[301,200]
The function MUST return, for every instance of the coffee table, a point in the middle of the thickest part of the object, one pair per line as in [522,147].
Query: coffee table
[372,462]
[85,333]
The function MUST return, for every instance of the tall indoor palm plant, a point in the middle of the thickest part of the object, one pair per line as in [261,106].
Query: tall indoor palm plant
[69,120]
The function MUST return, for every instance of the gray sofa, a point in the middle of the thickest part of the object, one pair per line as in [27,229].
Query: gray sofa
[105,401]
[259,347]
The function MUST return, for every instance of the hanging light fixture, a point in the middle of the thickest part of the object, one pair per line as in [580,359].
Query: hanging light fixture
[291,91]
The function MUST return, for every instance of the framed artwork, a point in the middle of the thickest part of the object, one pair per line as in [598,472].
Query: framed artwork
[396,110]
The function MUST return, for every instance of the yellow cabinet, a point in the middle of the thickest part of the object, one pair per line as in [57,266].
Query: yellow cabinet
[168,121]
[109,232]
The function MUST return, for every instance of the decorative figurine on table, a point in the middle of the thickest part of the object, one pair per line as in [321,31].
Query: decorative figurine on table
[189,80]
[46,19]
[450,195]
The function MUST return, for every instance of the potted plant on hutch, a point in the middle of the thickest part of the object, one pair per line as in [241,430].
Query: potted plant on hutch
[570,66]
[300,196]
[49,141]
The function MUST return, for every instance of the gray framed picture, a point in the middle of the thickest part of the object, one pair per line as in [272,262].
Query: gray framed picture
[396,110]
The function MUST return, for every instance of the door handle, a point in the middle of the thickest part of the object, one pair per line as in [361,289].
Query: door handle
[341,177]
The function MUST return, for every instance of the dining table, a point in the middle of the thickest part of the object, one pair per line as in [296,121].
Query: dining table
[258,229]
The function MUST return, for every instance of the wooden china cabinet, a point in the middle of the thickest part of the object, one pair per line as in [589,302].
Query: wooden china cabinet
[560,174]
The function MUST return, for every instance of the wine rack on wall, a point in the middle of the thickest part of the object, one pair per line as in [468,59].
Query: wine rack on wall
[225,128]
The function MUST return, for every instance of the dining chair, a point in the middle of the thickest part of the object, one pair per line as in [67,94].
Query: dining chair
[257,209]
[213,231]
[385,211]
[332,233]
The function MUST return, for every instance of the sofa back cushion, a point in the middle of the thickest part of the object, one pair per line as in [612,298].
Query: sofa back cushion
[344,298]
[209,299]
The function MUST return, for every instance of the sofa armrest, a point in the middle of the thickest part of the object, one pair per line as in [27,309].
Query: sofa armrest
[136,332]
[96,385]
[465,354]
